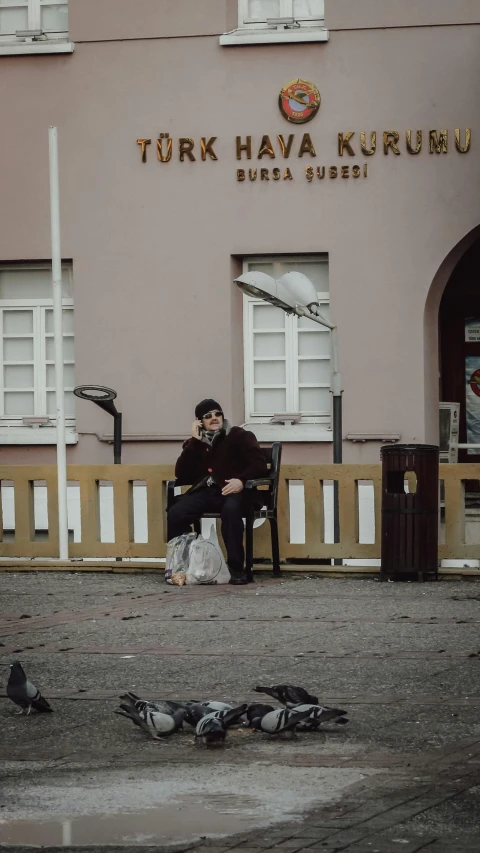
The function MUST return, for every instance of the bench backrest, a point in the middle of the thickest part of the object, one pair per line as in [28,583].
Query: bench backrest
[273,458]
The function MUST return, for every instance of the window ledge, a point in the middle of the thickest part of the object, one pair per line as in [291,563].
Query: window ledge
[287,432]
[29,435]
[244,36]
[21,49]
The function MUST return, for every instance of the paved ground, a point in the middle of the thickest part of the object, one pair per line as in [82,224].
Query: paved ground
[402,658]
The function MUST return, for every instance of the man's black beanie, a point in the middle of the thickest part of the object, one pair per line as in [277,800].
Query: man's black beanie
[206,406]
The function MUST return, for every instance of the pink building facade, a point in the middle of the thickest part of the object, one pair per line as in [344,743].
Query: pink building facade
[180,168]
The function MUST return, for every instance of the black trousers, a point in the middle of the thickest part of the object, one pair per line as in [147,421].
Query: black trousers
[190,507]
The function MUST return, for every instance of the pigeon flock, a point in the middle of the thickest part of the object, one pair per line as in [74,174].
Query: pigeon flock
[211,720]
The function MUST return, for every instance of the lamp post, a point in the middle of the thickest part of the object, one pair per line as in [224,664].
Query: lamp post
[296,294]
[58,343]
[104,398]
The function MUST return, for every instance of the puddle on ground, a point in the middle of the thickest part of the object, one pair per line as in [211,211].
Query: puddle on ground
[164,805]
[184,819]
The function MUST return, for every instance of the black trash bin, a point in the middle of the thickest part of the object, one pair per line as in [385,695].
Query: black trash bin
[410,505]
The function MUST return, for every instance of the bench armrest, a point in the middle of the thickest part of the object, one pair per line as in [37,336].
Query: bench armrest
[263,481]
[170,493]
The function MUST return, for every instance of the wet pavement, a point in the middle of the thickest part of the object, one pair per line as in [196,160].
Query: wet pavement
[402,659]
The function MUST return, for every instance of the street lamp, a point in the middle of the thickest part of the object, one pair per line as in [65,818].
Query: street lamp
[296,294]
[104,398]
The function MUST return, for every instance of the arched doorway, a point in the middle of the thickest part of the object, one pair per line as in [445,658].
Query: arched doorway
[459,346]
[443,341]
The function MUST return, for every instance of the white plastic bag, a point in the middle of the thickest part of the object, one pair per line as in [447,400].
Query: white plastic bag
[178,555]
[207,564]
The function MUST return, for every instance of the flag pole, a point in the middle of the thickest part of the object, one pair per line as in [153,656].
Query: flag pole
[58,340]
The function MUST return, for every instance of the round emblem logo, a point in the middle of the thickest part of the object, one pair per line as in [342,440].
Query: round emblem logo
[475,382]
[299,101]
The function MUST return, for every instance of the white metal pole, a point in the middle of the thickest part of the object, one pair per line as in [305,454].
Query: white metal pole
[58,339]
[337,392]
[66,833]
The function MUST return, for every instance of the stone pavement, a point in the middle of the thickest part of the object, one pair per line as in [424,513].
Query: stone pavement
[403,659]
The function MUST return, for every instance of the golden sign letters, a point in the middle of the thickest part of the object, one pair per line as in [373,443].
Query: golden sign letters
[277,147]
[282,146]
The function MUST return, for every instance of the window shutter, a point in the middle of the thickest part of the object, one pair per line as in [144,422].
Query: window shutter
[308,9]
[51,16]
[13,16]
[256,12]
[54,16]
[287,359]
[27,358]
[259,10]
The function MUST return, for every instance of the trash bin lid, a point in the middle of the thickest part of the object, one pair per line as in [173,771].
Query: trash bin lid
[409,449]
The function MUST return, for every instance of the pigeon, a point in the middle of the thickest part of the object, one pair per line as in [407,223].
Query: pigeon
[288,695]
[216,706]
[278,721]
[318,714]
[156,724]
[256,709]
[229,718]
[211,730]
[165,706]
[21,691]
[195,712]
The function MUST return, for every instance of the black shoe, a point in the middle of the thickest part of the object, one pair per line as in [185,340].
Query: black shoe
[238,574]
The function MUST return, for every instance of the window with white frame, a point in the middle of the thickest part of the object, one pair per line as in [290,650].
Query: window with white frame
[48,17]
[256,13]
[287,358]
[27,376]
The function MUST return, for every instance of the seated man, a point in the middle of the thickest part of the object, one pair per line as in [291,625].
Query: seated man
[217,460]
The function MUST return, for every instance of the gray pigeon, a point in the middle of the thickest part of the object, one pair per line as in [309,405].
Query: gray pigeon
[195,712]
[279,721]
[257,709]
[21,691]
[165,706]
[156,724]
[318,714]
[211,730]
[288,695]
[216,706]
[229,718]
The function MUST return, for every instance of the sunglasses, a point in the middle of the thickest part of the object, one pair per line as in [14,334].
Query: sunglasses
[216,414]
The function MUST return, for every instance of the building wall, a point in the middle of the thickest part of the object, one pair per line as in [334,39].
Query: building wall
[367,14]
[154,244]
[109,20]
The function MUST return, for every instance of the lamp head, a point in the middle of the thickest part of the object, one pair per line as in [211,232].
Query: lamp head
[263,286]
[300,289]
[99,395]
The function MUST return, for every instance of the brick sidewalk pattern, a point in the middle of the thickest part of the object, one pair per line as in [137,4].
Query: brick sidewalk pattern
[403,659]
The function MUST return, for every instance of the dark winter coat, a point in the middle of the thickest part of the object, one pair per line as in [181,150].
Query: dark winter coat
[235,454]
